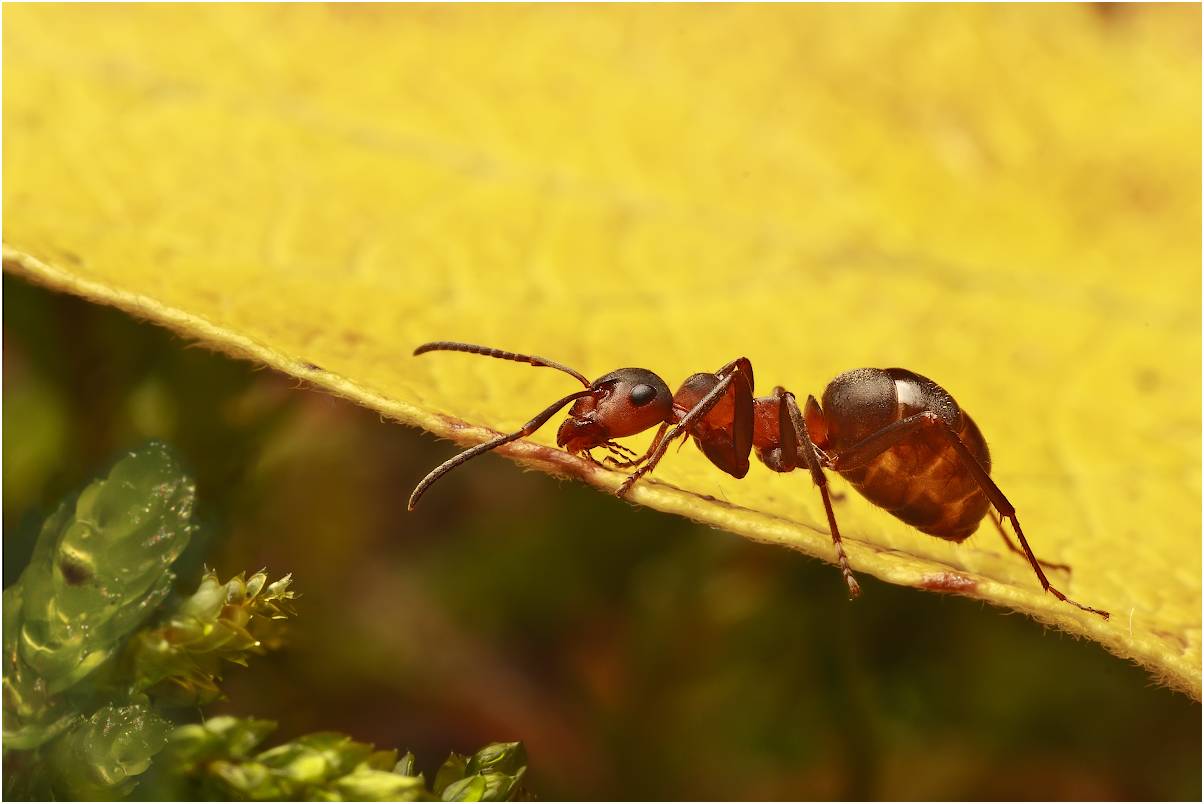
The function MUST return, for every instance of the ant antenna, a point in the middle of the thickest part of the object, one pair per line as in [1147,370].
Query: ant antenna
[468,454]
[456,346]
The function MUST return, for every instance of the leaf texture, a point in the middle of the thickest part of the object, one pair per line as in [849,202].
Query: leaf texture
[1003,198]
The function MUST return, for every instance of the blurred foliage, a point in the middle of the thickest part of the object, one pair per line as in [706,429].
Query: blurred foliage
[218,622]
[101,759]
[100,567]
[90,699]
[214,760]
[636,654]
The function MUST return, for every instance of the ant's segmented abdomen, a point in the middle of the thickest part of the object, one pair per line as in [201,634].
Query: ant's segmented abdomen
[919,478]
[922,482]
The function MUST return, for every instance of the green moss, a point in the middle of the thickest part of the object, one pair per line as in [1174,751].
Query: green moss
[217,759]
[98,659]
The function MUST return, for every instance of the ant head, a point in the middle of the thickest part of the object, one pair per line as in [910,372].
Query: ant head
[623,403]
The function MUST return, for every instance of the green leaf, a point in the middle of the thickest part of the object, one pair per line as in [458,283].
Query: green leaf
[249,780]
[374,785]
[219,736]
[32,716]
[181,658]
[502,786]
[214,759]
[316,758]
[491,774]
[103,756]
[498,757]
[452,770]
[405,765]
[471,788]
[100,567]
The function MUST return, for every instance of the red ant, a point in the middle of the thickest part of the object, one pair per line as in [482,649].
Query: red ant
[899,438]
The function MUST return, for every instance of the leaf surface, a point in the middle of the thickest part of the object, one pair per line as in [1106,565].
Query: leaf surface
[1003,198]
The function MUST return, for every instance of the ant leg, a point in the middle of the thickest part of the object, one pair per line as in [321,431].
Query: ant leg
[794,434]
[892,434]
[1011,545]
[676,431]
[621,462]
[620,456]
[741,365]
[617,448]
[611,463]
[727,442]
[468,454]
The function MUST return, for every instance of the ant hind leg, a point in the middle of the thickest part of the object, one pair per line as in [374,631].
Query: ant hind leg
[876,443]
[1011,545]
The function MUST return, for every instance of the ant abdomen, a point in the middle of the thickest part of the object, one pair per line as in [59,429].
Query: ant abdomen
[920,478]
[857,404]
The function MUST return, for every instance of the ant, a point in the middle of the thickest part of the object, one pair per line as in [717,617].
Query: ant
[899,438]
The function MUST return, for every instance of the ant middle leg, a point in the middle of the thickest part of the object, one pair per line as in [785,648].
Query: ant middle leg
[798,451]
[877,443]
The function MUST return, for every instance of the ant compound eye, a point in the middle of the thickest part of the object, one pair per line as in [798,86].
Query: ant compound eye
[642,395]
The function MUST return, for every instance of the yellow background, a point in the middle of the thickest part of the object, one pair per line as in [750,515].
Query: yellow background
[1003,198]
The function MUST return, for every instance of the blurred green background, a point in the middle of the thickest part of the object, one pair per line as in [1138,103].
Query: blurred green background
[636,654]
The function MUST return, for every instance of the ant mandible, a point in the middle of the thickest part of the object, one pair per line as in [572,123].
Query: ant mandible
[899,438]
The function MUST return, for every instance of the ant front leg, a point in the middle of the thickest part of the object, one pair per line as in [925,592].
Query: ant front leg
[589,456]
[796,444]
[615,448]
[739,370]
[657,451]
[876,443]
[636,460]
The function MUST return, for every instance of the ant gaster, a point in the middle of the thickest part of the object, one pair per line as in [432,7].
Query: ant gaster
[899,438]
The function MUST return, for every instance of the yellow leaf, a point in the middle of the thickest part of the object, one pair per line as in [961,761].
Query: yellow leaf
[1004,198]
